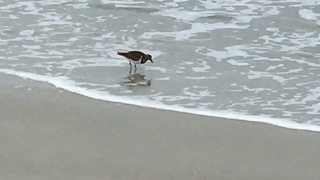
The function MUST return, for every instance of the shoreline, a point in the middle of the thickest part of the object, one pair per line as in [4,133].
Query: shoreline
[58,83]
[52,134]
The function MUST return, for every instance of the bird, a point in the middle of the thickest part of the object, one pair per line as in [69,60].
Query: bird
[136,57]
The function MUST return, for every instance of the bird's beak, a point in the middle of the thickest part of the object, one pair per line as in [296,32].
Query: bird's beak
[151,60]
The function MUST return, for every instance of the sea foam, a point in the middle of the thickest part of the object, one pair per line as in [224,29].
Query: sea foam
[71,86]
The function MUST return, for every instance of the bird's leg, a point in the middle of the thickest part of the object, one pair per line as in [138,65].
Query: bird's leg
[130,67]
[135,68]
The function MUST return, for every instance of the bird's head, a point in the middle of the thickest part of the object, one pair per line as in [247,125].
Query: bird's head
[149,57]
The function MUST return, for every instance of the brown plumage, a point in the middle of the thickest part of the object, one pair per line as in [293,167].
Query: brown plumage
[136,57]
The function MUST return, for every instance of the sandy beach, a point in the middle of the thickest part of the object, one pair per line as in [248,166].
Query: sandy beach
[48,133]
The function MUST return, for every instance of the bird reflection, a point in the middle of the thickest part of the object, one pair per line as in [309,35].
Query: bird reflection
[137,79]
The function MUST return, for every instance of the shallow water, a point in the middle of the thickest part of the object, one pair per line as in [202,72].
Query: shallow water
[241,57]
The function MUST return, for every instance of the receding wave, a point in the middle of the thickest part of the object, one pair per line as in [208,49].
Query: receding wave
[71,86]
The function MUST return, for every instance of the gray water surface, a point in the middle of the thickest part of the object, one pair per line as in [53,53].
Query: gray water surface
[253,57]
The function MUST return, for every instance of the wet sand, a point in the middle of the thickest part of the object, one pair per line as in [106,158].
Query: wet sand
[47,133]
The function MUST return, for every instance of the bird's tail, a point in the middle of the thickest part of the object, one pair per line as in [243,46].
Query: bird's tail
[120,53]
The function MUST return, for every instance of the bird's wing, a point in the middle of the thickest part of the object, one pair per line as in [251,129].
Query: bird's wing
[135,55]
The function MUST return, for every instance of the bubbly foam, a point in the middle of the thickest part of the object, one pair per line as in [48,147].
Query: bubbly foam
[308,14]
[71,86]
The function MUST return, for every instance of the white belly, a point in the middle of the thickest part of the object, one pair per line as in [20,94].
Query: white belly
[135,62]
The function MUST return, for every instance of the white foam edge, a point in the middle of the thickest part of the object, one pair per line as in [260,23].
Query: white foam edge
[308,14]
[68,85]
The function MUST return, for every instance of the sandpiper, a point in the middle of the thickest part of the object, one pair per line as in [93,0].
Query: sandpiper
[136,57]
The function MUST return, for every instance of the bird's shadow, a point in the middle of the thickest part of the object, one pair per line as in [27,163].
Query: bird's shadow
[136,80]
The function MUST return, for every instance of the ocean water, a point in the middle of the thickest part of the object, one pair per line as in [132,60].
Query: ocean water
[254,60]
